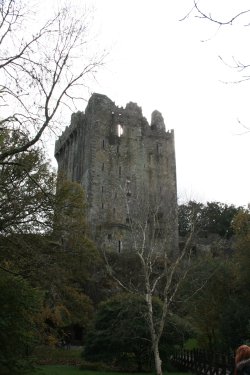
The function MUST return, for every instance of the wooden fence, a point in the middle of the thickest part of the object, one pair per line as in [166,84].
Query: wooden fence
[202,362]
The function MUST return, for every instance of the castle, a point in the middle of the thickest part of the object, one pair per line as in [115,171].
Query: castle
[128,171]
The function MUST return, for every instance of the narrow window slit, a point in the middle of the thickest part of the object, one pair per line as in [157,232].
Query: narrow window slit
[119,246]
[119,130]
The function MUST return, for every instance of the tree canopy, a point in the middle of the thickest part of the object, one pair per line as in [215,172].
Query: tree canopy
[40,74]
[209,218]
[121,334]
[19,305]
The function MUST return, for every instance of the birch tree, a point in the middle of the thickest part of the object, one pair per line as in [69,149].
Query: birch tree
[160,270]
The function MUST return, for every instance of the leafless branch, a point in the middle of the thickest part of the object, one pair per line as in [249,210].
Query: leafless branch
[51,64]
[209,17]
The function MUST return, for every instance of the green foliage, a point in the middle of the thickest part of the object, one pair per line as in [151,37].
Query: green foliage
[19,305]
[189,214]
[218,218]
[234,320]
[71,231]
[214,217]
[239,309]
[191,344]
[207,307]
[219,314]
[121,336]
[36,251]
[52,251]
[241,226]
[27,189]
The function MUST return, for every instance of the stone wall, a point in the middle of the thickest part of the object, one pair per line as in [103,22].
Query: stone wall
[127,168]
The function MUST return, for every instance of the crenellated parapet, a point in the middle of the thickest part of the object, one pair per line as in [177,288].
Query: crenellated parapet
[77,119]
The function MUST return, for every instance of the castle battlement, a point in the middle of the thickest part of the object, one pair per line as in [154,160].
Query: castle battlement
[76,119]
[120,159]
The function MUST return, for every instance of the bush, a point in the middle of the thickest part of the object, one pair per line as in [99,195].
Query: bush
[121,338]
[19,303]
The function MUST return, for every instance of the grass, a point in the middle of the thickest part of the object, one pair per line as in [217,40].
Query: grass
[52,361]
[58,370]
[54,356]
[68,370]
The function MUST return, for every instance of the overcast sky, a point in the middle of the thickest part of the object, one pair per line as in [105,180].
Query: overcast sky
[163,63]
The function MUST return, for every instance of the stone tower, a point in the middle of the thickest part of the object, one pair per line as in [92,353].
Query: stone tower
[127,168]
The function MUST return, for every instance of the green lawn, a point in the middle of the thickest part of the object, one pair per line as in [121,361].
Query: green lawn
[47,355]
[68,370]
[58,370]
[52,361]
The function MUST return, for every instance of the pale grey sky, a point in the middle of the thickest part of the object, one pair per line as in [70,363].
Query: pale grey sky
[162,63]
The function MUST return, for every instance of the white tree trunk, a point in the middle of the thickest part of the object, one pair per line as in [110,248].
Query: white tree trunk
[155,335]
[157,359]
[153,276]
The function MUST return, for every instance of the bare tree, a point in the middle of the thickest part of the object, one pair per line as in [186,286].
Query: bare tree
[41,69]
[160,271]
[239,17]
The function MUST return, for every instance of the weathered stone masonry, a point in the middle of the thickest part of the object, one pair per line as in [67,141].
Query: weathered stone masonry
[121,161]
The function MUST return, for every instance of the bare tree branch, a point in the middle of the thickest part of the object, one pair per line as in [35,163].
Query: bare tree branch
[209,17]
[161,273]
[39,74]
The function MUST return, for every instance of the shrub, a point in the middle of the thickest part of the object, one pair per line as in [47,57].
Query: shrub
[19,303]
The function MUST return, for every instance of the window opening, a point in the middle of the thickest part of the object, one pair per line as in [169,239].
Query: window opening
[103,143]
[102,205]
[120,171]
[128,187]
[102,189]
[109,236]
[119,130]
[159,148]
[119,246]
